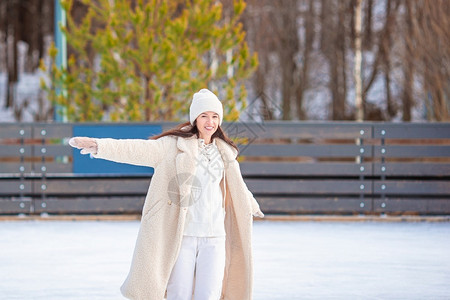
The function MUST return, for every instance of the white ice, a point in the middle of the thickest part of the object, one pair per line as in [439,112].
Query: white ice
[293,260]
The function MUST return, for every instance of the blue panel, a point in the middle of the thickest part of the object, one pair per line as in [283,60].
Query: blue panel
[87,164]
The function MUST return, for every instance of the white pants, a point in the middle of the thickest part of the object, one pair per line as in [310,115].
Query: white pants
[204,257]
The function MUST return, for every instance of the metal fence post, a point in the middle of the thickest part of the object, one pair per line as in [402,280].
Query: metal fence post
[360,161]
[383,170]
[22,168]
[43,133]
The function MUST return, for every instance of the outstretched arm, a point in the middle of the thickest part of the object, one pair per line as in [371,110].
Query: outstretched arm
[131,151]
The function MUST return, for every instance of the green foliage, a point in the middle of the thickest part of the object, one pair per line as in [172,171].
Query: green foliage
[143,62]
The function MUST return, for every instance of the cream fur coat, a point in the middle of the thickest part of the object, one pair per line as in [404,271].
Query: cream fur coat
[163,215]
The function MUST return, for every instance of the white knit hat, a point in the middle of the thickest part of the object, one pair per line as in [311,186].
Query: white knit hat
[205,100]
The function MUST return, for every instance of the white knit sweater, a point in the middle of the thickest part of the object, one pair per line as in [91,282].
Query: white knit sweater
[205,217]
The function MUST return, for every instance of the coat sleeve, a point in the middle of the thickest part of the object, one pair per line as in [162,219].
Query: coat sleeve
[132,151]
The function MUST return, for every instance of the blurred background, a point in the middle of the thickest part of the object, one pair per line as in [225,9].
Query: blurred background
[294,59]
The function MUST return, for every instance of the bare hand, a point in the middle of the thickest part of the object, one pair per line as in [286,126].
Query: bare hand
[86,144]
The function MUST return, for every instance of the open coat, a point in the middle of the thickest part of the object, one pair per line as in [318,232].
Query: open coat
[164,213]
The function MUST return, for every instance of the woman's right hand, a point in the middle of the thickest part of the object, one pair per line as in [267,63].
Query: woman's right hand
[86,144]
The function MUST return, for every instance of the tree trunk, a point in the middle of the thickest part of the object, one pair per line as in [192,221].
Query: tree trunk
[260,86]
[287,49]
[287,83]
[12,33]
[385,48]
[307,49]
[368,36]
[407,92]
[326,25]
[4,29]
[357,64]
[257,25]
[338,66]
[408,71]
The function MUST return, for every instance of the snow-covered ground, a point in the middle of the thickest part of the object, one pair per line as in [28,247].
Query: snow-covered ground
[27,98]
[293,260]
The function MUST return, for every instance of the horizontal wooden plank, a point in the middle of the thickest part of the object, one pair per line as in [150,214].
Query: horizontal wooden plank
[11,131]
[47,130]
[412,131]
[53,167]
[15,187]
[411,169]
[298,130]
[305,169]
[301,186]
[112,186]
[411,151]
[295,150]
[15,150]
[15,168]
[52,150]
[15,205]
[416,187]
[413,205]
[139,186]
[93,205]
[297,205]
[280,129]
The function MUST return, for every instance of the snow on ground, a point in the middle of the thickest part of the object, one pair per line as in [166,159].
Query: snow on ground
[293,260]
[27,94]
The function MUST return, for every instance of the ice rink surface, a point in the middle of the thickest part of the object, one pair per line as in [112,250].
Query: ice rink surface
[293,260]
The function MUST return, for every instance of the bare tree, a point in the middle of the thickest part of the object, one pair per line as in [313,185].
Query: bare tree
[309,18]
[385,45]
[11,39]
[333,45]
[430,45]
[357,63]
[285,26]
[260,36]
[273,31]
[408,69]
[29,21]
[368,26]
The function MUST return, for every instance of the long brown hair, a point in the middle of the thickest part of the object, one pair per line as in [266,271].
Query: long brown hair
[187,130]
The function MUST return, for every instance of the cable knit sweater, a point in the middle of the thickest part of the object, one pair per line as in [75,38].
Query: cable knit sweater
[206,216]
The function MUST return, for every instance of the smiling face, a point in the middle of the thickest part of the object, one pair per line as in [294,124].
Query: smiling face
[207,123]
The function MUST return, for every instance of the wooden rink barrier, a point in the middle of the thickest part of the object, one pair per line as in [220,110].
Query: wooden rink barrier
[300,168]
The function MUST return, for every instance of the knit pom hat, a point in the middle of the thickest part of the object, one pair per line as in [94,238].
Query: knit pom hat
[205,100]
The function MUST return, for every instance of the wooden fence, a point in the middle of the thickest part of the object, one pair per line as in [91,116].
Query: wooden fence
[291,168]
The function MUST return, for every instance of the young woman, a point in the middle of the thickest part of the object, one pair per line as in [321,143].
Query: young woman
[195,234]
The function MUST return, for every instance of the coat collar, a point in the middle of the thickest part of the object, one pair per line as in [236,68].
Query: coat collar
[229,154]
[190,146]
[185,164]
